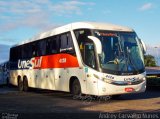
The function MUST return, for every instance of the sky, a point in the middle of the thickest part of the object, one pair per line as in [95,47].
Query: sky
[23,19]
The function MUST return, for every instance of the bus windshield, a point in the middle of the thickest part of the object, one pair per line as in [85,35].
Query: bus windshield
[121,52]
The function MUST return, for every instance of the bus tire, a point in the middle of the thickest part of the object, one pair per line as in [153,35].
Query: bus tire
[76,88]
[20,84]
[25,84]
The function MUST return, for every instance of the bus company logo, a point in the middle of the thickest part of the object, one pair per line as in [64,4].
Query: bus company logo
[130,79]
[30,64]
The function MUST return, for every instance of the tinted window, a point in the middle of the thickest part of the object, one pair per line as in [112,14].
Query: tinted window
[66,45]
[16,53]
[63,41]
[83,40]
[26,51]
[11,54]
[52,45]
[82,35]
[41,48]
[34,51]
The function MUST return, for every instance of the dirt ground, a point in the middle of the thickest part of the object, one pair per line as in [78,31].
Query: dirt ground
[53,104]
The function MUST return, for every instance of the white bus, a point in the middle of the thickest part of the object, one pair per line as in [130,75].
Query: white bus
[4,73]
[82,58]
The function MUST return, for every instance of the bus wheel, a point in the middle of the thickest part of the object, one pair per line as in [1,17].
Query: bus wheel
[76,88]
[25,84]
[20,84]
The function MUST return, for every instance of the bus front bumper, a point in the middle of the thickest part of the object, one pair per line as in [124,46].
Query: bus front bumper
[111,89]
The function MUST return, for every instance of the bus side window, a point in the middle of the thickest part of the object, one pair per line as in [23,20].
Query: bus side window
[82,35]
[70,41]
[66,44]
[12,54]
[26,51]
[63,44]
[70,45]
[34,51]
[48,46]
[41,48]
[18,52]
[55,44]
[82,38]
[52,45]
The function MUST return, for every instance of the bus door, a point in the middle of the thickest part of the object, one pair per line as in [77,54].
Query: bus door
[90,61]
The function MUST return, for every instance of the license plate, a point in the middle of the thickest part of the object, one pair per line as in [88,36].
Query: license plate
[129,89]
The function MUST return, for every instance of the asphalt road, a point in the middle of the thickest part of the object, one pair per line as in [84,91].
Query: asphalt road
[52,104]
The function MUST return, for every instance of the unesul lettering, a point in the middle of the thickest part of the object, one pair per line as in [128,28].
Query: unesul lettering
[30,64]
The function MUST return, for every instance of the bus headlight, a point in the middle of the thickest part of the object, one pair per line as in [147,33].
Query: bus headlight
[107,80]
[115,82]
[144,78]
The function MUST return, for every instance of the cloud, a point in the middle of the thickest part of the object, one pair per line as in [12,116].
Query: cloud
[36,13]
[70,7]
[67,7]
[146,6]
[18,7]
[4,53]
[154,51]
[24,7]
[8,40]
[22,13]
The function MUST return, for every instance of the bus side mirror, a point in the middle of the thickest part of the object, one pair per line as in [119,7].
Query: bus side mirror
[97,43]
[143,46]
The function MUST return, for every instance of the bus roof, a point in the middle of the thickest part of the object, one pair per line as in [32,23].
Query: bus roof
[103,26]
[77,25]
